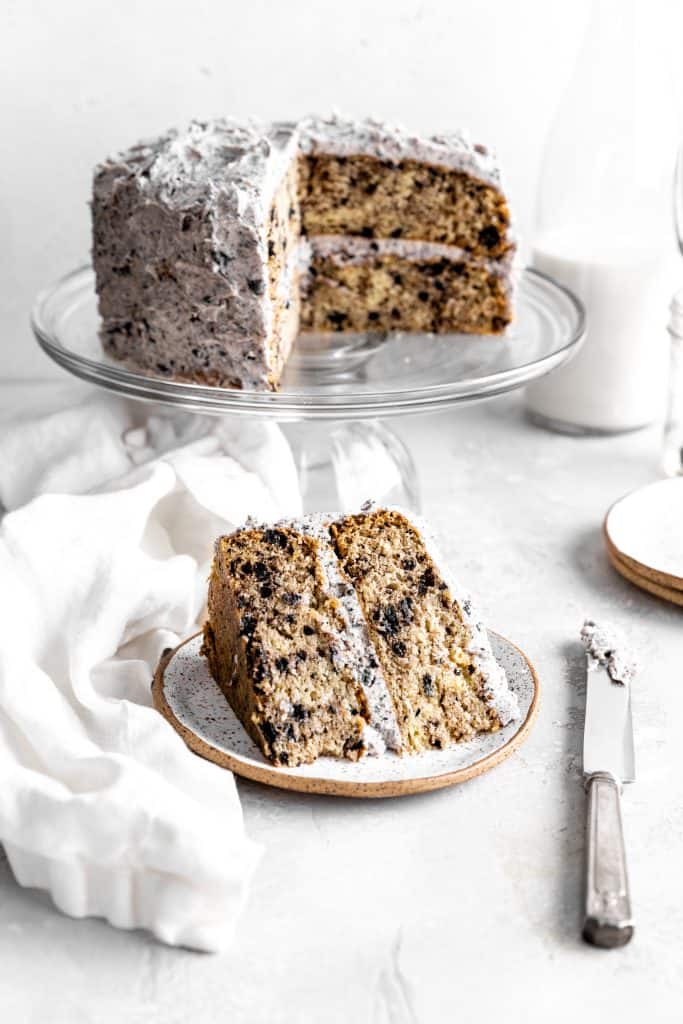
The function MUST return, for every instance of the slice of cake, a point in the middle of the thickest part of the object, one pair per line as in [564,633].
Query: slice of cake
[215,246]
[288,645]
[435,654]
[346,637]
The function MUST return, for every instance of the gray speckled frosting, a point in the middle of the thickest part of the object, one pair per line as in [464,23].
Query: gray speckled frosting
[215,182]
[245,160]
[250,157]
[355,649]
[605,645]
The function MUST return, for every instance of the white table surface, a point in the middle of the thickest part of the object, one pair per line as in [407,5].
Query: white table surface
[458,905]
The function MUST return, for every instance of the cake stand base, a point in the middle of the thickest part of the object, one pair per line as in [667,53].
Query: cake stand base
[341,464]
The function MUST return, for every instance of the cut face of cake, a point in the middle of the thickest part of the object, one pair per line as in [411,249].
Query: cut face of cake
[214,247]
[288,645]
[386,285]
[342,637]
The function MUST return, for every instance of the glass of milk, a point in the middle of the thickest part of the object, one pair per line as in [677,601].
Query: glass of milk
[605,226]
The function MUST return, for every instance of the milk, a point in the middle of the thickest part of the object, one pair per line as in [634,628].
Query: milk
[617,381]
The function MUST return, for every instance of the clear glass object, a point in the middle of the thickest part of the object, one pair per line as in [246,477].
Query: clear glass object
[352,382]
[336,376]
[672,450]
[604,225]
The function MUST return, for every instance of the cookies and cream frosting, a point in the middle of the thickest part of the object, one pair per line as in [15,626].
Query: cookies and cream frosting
[605,645]
[218,180]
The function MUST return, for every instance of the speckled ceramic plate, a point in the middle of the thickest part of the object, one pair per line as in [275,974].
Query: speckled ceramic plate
[186,694]
[625,568]
[643,532]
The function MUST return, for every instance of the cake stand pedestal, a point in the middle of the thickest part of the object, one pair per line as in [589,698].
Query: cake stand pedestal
[339,391]
[344,463]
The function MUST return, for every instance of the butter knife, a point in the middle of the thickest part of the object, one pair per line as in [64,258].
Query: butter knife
[608,763]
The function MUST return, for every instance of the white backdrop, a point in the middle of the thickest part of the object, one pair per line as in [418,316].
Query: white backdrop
[82,78]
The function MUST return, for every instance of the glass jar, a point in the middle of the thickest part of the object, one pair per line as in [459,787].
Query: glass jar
[672,449]
[604,224]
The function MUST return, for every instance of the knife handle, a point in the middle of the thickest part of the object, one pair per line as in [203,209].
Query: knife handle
[608,920]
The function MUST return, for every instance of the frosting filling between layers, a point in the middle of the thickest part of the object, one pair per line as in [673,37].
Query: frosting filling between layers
[356,650]
[346,250]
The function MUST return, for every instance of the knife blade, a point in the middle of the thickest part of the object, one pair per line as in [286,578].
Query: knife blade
[608,762]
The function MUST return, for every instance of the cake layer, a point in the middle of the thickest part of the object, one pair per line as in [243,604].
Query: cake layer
[394,284]
[288,646]
[434,655]
[362,195]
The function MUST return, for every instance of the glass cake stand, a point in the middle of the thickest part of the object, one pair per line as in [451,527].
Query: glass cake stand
[352,382]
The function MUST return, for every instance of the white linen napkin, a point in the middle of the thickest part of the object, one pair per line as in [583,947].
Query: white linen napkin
[101,803]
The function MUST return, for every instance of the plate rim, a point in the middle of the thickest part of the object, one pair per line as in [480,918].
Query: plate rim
[645,583]
[641,569]
[270,775]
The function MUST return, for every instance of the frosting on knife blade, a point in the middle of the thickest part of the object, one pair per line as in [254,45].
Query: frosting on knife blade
[606,645]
